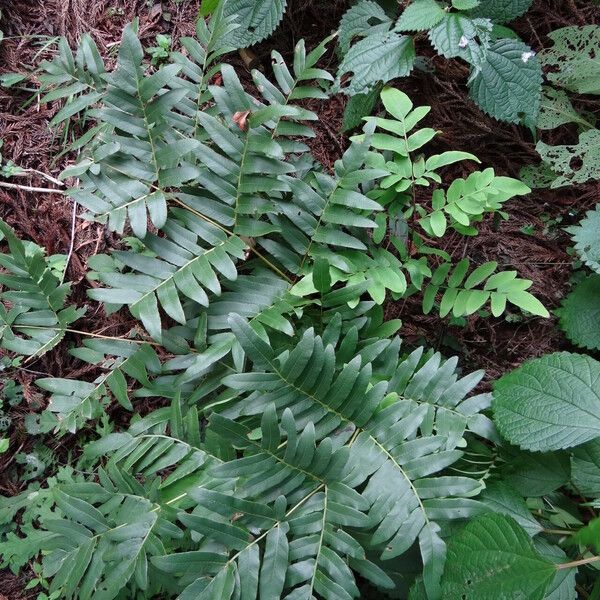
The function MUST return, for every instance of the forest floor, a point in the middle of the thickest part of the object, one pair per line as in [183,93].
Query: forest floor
[532,240]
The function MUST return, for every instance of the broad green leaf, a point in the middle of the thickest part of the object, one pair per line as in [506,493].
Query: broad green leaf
[585,469]
[352,24]
[573,59]
[573,163]
[549,403]
[586,236]
[508,84]
[377,58]
[580,313]
[420,15]
[501,11]
[255,19]
[493,558]
[535,473]
[556,110]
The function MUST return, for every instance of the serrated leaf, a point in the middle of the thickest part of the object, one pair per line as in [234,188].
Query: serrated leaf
[508,84]
[586,236]
[420,15]
[573,163]
[556,110]
[377,59]
[585,469]
[580,313]
[458,35]
[465,4]
[535,474]
[352,24]
[256,19]
[358,107]
[549,403]
[493,558]
[501,11]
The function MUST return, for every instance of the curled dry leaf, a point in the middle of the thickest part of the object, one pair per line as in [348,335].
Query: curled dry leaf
[240,118]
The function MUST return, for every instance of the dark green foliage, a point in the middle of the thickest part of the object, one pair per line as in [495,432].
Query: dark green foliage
[294,447]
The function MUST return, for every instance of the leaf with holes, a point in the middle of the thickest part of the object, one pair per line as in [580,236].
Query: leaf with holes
[573,61]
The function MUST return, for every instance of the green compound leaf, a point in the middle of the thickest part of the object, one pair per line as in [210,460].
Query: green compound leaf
[353,22]
[549,403]
[580,313]
[575,163]
[493,558]
[586,236]
[573,62]
[585,469]
[377,58]
[420,15]
[508,85]
[256,19]
[501,11]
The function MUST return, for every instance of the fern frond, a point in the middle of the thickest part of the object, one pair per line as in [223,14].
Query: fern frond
[79,79]
[381,419]
[75,402]
[180,265]
[34,316]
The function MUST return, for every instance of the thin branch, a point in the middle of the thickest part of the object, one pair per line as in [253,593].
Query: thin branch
[49,178]
[577,563]
[72,243]
[29,188]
